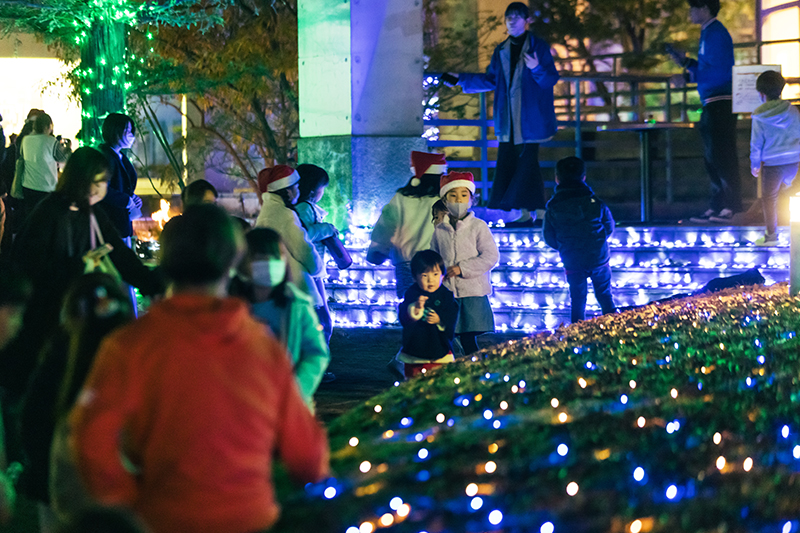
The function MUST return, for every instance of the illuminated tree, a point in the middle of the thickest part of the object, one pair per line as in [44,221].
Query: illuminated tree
[95,33]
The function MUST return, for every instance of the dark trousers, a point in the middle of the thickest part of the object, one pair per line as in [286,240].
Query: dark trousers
[517,179]
[578,288]
[32,199]
[718,129]
[772,179]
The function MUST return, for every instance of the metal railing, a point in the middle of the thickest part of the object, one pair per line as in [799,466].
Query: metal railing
[626,98]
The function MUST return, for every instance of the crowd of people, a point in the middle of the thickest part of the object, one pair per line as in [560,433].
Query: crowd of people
[172,421]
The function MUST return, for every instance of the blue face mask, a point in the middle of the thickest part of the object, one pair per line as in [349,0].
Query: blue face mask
[268,273]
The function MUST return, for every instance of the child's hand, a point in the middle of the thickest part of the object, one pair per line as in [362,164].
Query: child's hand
[754,171]
[421,301]
[433,317]
[453,271]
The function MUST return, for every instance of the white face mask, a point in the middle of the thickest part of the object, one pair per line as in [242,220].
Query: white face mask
[457,210]
[268,273]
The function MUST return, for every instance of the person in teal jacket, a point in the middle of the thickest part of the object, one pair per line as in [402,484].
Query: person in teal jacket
[288,311]
[522,75]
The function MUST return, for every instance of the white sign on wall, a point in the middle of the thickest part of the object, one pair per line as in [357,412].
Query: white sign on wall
[745,95]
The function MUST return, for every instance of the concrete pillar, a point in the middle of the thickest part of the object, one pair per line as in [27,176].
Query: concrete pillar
[360,65]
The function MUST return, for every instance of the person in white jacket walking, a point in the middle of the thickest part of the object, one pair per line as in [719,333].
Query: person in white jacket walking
[469,252]
[774,148]
[280,192]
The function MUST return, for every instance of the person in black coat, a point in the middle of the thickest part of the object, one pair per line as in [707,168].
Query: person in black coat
[578,224]
[428,315]
[121,203]
[50,250]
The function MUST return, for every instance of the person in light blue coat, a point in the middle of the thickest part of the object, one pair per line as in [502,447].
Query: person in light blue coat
[522,75]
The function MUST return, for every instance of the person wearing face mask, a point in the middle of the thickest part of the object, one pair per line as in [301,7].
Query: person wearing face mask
[288,311]
[522,75]
[469,253]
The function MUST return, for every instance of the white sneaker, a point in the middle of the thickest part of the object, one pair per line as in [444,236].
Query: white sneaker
[766,240]
[724,216]
[704,218]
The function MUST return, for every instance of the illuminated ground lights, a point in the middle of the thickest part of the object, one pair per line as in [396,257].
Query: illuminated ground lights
[530,292]
[681,418]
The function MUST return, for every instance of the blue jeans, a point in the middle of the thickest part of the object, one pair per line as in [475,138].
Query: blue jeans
[578,288]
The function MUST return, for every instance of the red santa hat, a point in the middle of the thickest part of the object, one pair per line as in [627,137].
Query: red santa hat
[277,178]
[456,179]
[426,163]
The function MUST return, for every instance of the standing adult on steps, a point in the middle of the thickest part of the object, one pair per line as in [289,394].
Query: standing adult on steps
[522,75]
[713,73]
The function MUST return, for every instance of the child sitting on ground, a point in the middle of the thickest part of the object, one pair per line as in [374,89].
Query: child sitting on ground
[288,311]
[470,253]
[428,314]
[578,224]
[774,148]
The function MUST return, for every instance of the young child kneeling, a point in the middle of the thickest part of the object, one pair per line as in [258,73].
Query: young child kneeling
[428,314]
[578,224]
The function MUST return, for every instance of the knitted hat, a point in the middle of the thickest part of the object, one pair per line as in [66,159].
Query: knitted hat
[456,179]
[426,163]
[277,178]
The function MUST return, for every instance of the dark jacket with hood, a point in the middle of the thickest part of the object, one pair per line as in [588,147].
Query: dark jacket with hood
[578,224]
[429,341]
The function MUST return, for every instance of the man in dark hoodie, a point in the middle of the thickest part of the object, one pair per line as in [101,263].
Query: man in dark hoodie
[578,224]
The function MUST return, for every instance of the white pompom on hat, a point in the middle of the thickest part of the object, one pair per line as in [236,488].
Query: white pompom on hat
[277,178]
[426,163]
[456,179]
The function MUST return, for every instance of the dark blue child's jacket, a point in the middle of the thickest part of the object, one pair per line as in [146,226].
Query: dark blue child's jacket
[578,224]
[429,341]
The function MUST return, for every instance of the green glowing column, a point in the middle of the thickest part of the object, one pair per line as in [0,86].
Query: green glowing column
[103,84]
[360,64]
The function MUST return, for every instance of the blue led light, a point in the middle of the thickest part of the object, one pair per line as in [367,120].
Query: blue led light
[638,473]
[330,493]
[406,421]
[785,432]
[623,399]
[672,492]
[476,503]
[562,450]
[423,454]
[395,503]
[547,527]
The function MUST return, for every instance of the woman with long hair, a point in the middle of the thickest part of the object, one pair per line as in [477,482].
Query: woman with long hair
[50,249]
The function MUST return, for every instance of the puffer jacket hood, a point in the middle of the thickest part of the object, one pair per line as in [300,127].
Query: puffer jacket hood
[775,134]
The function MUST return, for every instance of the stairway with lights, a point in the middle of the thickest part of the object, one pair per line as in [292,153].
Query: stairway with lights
[530,291]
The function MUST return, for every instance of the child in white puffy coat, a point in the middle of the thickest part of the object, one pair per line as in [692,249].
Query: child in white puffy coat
[467,246]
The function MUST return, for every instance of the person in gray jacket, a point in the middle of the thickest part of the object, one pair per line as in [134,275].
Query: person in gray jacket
[578,224]
[774,148]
